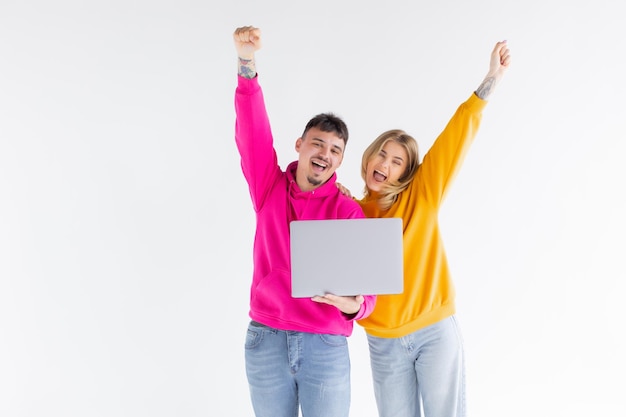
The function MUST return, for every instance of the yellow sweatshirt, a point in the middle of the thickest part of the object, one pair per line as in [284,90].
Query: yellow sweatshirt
[429,293]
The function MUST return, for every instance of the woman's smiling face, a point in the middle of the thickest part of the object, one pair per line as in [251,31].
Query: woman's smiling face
[386,167]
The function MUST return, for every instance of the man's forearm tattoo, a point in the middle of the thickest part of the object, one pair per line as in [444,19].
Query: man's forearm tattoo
[484,89]
[247,69]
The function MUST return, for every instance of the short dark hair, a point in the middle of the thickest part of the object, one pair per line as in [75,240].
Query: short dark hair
[328,122]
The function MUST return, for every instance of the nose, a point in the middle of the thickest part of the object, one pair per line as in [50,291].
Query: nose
[325,152]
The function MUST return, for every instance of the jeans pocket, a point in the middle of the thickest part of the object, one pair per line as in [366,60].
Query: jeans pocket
[254,336]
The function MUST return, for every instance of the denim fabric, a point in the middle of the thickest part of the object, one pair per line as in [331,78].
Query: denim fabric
[288,369]
[421,372]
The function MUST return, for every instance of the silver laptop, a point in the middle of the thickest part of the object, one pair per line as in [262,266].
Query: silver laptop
[346,257]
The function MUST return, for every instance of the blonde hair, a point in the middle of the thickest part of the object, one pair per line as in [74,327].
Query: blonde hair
[389,194]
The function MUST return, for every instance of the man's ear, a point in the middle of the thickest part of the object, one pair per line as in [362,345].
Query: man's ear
[298,144]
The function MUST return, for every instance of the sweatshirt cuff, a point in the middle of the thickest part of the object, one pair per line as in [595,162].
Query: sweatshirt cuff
[364,311]
[475,102]
[248,85]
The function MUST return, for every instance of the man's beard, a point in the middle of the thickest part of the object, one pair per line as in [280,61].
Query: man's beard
[314,181]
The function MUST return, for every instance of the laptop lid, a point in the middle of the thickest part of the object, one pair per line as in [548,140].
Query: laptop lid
[346,257]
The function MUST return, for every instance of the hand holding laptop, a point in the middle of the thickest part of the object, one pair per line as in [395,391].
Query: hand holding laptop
[347,305]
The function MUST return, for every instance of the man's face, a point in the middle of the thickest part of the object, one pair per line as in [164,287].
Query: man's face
[321,153]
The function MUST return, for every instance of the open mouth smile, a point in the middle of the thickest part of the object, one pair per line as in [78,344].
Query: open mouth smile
[379,176]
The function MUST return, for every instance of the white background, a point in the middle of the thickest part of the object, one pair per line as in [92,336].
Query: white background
[126,226]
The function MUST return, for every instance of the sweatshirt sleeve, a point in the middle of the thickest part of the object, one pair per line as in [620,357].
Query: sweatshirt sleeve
[443,160]
[253,136]
[366,308]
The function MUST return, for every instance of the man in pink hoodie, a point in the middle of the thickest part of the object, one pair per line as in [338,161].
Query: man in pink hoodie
[296,348]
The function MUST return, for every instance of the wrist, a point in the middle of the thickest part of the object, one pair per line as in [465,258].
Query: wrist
[246,67]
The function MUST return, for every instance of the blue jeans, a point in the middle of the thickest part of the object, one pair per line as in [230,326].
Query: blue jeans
[288,369]
[425,368]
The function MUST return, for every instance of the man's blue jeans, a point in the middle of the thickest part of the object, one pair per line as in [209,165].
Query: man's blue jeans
[424,367]
[288,369]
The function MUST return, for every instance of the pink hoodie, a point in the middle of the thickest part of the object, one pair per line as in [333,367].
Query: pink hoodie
[277,200]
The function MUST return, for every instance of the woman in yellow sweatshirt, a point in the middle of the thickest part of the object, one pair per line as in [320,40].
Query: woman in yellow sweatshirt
[415,345]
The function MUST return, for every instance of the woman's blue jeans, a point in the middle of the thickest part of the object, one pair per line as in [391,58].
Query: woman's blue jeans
[288,369]
[423,369]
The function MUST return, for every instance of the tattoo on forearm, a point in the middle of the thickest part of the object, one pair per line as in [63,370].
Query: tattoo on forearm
[484,89]
[247,69]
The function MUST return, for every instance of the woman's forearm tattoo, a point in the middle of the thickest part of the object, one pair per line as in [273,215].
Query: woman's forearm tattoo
[484,89]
